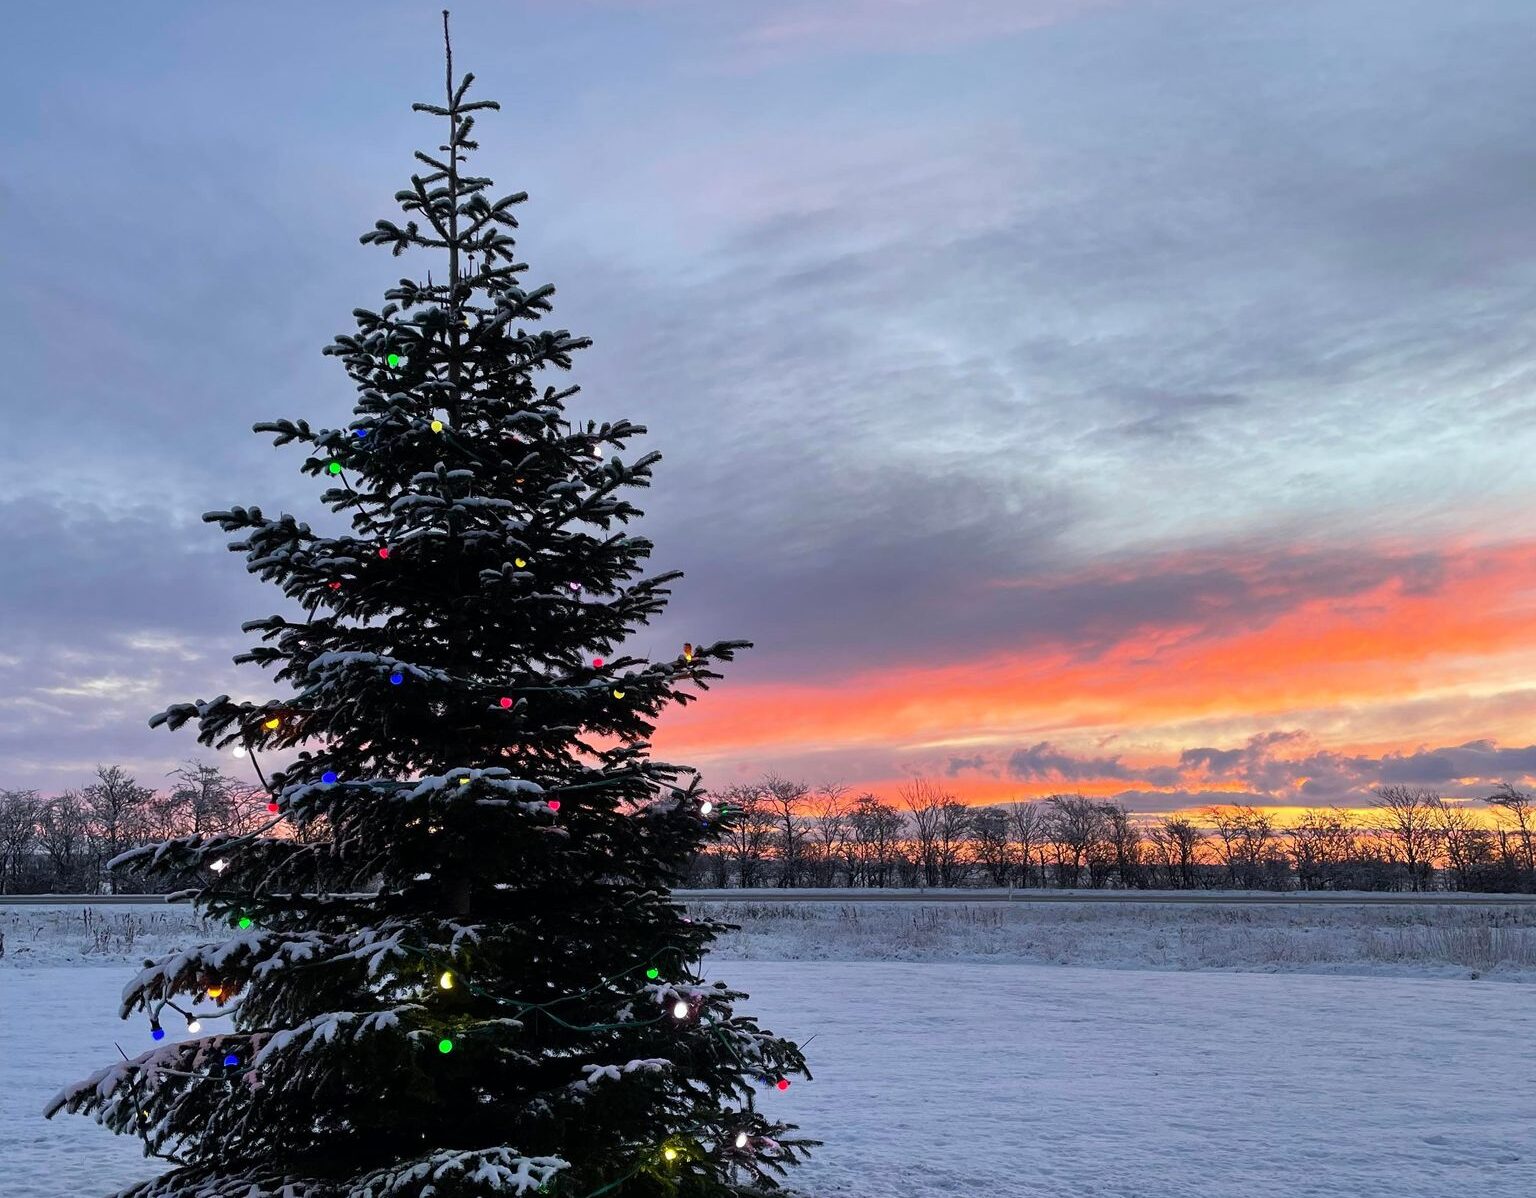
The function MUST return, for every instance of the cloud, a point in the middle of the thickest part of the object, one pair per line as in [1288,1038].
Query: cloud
[903,26]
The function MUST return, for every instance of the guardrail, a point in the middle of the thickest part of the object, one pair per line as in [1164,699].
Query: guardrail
[1439,898]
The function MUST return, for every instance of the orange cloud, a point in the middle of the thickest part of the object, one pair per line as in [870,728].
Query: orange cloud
[1456,640]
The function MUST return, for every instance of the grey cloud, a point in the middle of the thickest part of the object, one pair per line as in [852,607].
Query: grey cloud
[1044,761]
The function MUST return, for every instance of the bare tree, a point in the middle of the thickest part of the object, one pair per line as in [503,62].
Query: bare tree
[1027,827]
[19,813]
[1517,807]
[204,798]
[1176,844]
[992,844]
[1076,830]
[1468,846]
[1124,840]
[749,831]
[64,829]
[1325,848]
[116,802]
[830,834]
[787,801]
[1245,844]
[939,822]
[877,831]
[1406,819]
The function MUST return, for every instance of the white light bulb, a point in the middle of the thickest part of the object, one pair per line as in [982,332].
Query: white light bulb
[219,866]
[680,1009]
[237,751]
[741,1139]
[706,807]
[194,1026]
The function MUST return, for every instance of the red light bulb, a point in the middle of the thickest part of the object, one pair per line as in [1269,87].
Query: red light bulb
[335,586]
[554,804]
[783,1083]
[383,550]
[597,663]
[272,807]
[505,702]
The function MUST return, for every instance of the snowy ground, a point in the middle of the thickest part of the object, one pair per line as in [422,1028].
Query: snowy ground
[1402,940]
[995,1079]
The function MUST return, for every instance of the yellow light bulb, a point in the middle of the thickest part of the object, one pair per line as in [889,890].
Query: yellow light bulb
[215,991]
[519,562]
[437,426]
[446,981]
[272,723]
[618,694]
[669,1153]
[463,781]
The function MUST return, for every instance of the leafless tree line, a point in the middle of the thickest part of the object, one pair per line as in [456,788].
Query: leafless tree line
[782,833]
[61,844]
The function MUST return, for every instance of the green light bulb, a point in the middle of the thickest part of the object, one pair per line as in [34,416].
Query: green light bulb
[445,1045]
[653,973]
[334,467]
[245,922]
[393,359]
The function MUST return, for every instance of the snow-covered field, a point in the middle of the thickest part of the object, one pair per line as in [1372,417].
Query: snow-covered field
[1496,943]
[970,1073]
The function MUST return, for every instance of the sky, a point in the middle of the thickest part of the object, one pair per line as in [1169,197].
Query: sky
[1132,397]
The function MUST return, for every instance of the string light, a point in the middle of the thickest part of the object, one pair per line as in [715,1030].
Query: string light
[272,808]
[396,678]
[706,807]
[269,725]
[383,550]
[553,804]
[597,663]
[334,467]
[231,1059]
[783,1083]
[237,751]
[194,1026]
[335,586]
[393,359]
[505,701]
[741,1139]
[446,981]
[156,1032]
[680,1009]
[437,426]
[653,973]
[687,651]
[670,1153]
[445,1045]
[215,991]
[328,777]
[245,923]
[618,694]
[575,586]
[519,562]
[219,866]
[361,432]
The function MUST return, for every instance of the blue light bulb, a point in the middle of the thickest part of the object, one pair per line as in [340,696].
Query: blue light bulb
[231,1059]
[397,679]
[157,1033]
[328,777]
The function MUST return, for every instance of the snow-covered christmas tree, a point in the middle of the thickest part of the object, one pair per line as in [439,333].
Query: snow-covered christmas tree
[453,964]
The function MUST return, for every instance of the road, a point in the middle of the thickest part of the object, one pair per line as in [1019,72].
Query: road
[1204,898]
